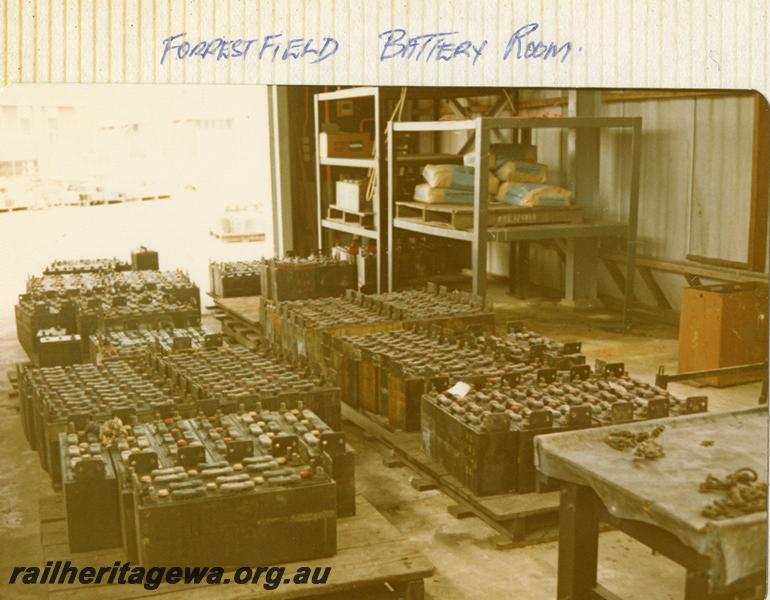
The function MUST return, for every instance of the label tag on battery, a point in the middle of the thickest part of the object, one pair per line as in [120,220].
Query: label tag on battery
[459,390]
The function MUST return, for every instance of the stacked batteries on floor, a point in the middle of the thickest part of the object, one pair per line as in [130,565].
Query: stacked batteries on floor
[429,303]
[236,278]
[309,330]
[233,376]
[132,346]
[288,278]
[387,373]
[214,453]
[251,487]
[86,265]
[296,278]
[482,431]
[83,303]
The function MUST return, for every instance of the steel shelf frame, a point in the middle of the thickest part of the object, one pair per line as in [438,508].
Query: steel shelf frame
[481,129]
[324,226]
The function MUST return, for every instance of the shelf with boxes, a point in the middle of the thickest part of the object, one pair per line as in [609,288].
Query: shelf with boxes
[526,208]
[348,172]
[351,161]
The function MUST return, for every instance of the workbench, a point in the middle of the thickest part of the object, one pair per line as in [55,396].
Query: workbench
[658,501]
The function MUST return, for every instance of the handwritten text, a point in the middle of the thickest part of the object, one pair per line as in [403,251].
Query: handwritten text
[271,47]
[534,49]
[428,46]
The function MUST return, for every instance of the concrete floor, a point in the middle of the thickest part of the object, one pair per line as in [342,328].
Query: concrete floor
[467,564]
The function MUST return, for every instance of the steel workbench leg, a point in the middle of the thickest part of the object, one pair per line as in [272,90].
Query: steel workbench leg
[578,542]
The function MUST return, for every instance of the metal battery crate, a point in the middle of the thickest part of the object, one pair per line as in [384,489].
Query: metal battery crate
[83,395]
[57,347]
[205,494]
[462,429]
[235,279]
[483,436]
[317,276]
[301,430]
[227,377]
[144,259]
[90,492]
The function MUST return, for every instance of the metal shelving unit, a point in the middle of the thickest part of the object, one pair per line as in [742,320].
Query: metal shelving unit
[325,226]
[576,234]
[380,96]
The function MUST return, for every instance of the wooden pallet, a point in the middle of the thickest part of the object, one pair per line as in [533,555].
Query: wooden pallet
[349,217]
[13,378]
[520,519]
[238,237]
[453,216]
[370,553]
[241,333]
[245,308]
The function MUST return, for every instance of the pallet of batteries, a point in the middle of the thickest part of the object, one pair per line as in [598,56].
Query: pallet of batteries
[78,398]
[155,310]
[302,330]
[456,311]
[387,373]
[235,279]
[142,258]
[317,276]
[175,283]
[306,330]
[228,377]
[383,373]
[484,436]
[58,313]
[40,331]
[251,487]
[85,265]
[134,346]
[45,328]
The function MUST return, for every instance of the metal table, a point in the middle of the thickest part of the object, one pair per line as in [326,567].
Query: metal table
[657,501]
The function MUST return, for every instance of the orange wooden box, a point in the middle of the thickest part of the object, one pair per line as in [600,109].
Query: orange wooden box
[721,326]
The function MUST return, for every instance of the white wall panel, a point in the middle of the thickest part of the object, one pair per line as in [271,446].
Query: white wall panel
[721,179]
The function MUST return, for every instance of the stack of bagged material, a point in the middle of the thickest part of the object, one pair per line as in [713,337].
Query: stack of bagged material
[511,181]
[533,194]
[523,180]
[450,184]
[524,184]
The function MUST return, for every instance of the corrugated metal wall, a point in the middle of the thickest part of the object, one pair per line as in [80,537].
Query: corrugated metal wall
[695,190]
